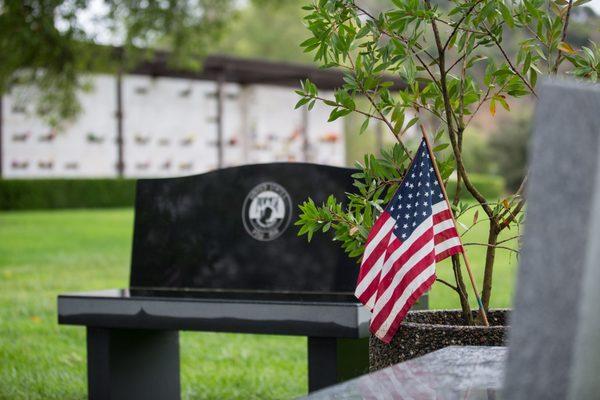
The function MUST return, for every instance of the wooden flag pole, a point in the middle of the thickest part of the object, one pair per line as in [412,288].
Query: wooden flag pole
[467,264]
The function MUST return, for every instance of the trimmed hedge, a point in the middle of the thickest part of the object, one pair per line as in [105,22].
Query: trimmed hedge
[490,186]
[35,194]
[32,194]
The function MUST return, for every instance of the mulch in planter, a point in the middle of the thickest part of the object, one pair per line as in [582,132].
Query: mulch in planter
[425,331]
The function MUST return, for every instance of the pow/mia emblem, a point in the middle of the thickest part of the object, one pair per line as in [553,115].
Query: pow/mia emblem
[267,211]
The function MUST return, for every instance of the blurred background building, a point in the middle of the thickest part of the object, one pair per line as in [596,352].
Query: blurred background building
[157,121]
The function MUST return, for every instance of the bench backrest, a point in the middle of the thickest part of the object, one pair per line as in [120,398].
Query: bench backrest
[233,229]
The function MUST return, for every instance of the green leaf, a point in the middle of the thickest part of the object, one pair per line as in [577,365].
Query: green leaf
[533,77]
[337,113]
[439,134]
[302,102]
[310,41]
[411,123]
[475,59]
[527,63]
[364,126]
[506,14]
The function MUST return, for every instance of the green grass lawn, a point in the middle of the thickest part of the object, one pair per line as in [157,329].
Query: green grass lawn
[45,253]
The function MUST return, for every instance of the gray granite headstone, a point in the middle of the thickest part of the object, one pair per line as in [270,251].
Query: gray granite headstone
[586,360]
[564,157]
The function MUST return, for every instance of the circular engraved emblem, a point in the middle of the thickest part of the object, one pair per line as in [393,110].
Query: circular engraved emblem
[267,211]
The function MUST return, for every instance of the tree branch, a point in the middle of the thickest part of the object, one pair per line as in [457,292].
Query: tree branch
[366,114]
[405,41]
[496,246]
[459,22]
[485,98]
[509,239]
[471,207]
[473,225]
[510,64]
[440,280]
[417,106]
[459,59]
[383,118]
[563,36]
[516,210]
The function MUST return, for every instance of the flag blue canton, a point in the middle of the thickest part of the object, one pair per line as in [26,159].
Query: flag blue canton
[419,191]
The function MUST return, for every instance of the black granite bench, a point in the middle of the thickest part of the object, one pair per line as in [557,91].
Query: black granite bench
[217,252]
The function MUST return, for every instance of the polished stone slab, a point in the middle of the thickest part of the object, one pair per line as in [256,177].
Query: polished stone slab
[233,229]
[455,372]
[328,315]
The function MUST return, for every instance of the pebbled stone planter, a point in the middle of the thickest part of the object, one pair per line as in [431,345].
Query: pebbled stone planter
[425,331]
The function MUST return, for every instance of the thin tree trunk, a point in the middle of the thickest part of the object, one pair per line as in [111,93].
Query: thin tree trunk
[462,291]
[489,266]
[460,283]
[458,177]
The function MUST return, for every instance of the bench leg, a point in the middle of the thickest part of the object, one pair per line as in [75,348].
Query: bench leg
[132,364]
[332,360]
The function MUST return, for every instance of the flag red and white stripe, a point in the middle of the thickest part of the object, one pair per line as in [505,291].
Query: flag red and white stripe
[415,231]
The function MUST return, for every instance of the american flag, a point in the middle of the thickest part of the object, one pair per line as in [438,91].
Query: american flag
[415,231]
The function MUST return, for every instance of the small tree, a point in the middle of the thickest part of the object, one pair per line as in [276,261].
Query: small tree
[446,57]
[44,43]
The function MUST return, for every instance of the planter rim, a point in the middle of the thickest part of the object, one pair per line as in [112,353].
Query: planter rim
[452,327]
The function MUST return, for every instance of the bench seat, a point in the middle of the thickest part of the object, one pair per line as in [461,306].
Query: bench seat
[301,314]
